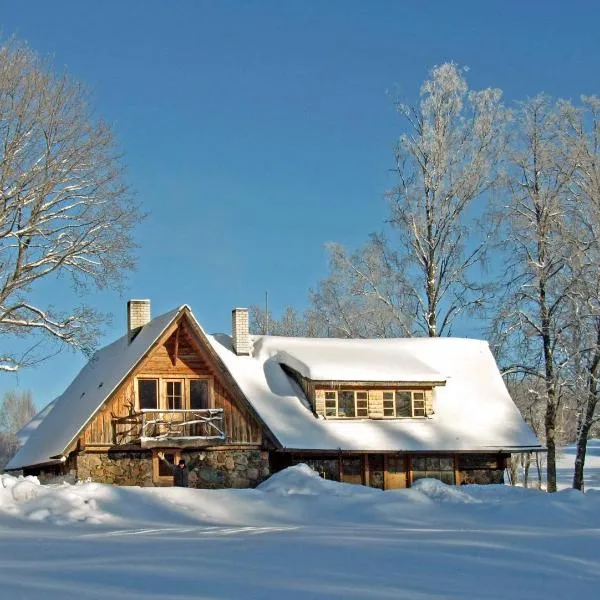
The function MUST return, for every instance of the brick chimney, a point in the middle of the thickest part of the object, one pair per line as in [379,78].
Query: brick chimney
[138,315]
[240,331]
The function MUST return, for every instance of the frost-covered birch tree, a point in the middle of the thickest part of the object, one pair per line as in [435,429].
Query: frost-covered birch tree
[364,294]
[544,259]
[584,136]
[445,162]
[65,211]
[422,280]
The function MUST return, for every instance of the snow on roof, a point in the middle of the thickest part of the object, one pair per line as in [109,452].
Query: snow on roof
[354,360]
[473,411]
[95,382]
[25,432]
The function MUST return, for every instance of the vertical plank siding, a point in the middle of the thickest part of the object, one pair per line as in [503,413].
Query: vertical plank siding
[176,358]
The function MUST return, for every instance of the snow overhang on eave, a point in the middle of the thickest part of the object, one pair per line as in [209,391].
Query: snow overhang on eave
[380,382]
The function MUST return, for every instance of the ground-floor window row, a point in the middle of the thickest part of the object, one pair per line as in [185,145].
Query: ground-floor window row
[392,471]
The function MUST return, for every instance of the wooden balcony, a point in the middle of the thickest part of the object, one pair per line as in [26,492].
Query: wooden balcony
[153,428]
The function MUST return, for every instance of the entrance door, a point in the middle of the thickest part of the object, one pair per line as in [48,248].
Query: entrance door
[395,472]
[376,471]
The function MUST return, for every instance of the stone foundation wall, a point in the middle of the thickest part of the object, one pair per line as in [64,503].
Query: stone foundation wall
[119,468]
[228,468]
[215,469]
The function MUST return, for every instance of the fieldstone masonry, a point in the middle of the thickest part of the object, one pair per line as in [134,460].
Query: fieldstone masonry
[216,469]
[119,468]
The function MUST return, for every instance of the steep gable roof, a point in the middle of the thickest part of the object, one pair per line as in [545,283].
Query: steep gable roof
[473,410]
[95,382]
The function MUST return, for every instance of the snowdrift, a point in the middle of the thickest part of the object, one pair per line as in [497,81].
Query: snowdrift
[297,496]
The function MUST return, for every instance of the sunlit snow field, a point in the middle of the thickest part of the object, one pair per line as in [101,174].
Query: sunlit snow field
[298,536]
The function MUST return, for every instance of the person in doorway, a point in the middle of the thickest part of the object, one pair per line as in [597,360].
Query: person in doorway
[180,471]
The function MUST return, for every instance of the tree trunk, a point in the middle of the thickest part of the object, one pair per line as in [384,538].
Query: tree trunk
[580,457]
[582,440]
[550,422]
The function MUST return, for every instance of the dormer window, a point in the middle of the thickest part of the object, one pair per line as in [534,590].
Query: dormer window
[403,403]
[347,404]
[372,403]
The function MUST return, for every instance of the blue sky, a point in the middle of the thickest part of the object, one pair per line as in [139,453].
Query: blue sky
[254,132]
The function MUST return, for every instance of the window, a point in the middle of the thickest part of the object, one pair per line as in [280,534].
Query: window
[199,394]
[418,405]
[327,468]
[331,404]
[403,403]
[362,404]
[148,393]
[174,395]
[347,404]
[403,407]
[437,467]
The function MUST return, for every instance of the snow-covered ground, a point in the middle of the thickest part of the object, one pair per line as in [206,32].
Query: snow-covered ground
[566,460]
[298,536]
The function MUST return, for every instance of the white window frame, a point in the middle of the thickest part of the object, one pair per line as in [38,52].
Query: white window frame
[413,400]
[334,397]
[161,391]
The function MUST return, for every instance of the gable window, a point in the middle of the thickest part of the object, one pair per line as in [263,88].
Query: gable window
[148,393]
[403,403]
[174,395]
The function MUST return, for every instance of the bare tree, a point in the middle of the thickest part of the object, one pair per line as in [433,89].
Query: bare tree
[584,137]
[64,209]
[16,410]
[290,324]
[544,258]
[445,162]
[364,294]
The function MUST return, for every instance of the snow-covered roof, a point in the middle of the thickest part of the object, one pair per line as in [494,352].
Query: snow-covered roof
[25,432]
[87,392]
[473,410]
[354,360]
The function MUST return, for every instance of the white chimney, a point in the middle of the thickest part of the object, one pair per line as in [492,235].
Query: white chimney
[240,331]
[138,315]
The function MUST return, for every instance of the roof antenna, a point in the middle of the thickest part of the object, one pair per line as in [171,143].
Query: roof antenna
[266,312]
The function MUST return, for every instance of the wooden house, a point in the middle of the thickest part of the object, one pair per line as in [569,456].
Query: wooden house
[382,413]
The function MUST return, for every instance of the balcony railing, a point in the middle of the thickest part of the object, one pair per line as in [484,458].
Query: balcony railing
[153,427]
